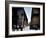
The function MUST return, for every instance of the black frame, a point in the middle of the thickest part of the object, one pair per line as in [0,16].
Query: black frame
[7,18]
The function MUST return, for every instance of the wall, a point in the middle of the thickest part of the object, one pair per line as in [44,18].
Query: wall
[2,19]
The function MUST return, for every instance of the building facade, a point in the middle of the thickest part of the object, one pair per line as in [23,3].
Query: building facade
[35,19]
[19,18]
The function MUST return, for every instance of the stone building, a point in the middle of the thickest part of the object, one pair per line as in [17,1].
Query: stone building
[35,19]
[19,18]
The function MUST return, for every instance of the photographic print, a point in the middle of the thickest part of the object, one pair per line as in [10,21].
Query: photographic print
[24,19]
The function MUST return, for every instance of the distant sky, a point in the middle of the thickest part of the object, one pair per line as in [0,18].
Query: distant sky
[28,11]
